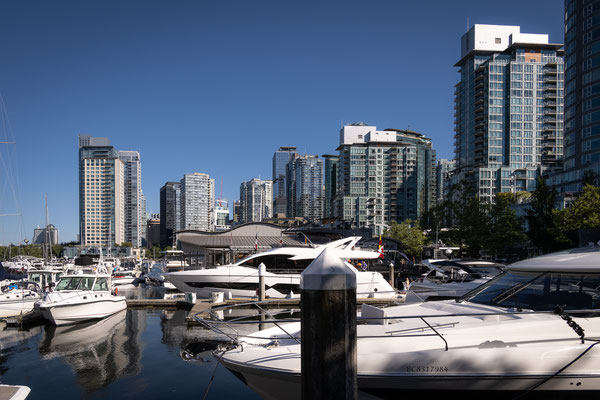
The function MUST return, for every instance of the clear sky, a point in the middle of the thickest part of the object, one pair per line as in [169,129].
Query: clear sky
[218,86]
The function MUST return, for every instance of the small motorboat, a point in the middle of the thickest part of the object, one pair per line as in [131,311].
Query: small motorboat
[82,294]
[18,297]
[14,392]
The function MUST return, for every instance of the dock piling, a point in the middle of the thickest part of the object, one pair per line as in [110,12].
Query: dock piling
[328,323]
[262,269]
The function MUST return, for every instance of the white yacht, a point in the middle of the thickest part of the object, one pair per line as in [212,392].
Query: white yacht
[448,279]
[82,294]
[18,297]
[532,331]
[283,268]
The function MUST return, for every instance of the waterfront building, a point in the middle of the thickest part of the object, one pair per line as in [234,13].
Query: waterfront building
[256,200]
[221,216]
[281,158]
[582,97]
[444,173]
[135,213]
[509,109]
[383,176]
[330,176]
[101,193]
[305,187]
[170,215]
[48,234]
[197,201]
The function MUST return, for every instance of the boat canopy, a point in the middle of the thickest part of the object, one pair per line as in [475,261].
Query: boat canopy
[582,259]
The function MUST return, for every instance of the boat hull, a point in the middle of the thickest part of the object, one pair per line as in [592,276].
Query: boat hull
[272,384]
[64,314]
[12,308]
[243,282]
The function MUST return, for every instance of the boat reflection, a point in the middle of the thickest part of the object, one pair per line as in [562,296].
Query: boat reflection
[98,352]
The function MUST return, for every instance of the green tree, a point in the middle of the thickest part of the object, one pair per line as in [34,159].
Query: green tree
[540,216]
[506,227]
[583,213]
[409,234]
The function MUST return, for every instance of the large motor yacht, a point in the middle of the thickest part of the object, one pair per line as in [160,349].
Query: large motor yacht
[282,277]
[532,331]
[82,294]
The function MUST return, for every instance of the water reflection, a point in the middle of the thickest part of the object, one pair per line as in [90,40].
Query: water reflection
[99,352]
[14,341]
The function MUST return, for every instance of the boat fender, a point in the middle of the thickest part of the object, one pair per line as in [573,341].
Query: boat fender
[116,291]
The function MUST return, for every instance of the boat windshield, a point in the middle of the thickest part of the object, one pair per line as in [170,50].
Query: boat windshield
[75,283]
[450,272]
[539,291]
[276,262]
[101,284]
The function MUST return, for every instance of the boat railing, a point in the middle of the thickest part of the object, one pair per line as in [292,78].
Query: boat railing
[214,320]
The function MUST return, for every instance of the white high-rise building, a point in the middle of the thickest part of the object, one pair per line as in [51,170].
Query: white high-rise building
[221,220]
[256,200]
[101,193]
[134,210]
[509,109]
[197,200]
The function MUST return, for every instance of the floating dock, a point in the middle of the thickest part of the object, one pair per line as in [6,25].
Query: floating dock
[199,307]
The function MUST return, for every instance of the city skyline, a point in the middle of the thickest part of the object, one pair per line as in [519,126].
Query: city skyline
[218,89]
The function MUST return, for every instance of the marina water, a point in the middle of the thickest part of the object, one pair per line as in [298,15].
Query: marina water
[135,354]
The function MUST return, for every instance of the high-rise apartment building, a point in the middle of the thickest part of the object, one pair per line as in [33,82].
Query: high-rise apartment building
[170,215]
[237,212]
[281,158]
[101,193]
[144,217]
[135,213]
[582,95]
[256,200]
[330,175]
[153,230]
[444,173]
[221,216]
[509,109]
[197,201]
[383,176]
[305,187]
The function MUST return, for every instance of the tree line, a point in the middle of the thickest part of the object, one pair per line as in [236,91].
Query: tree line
[462,220]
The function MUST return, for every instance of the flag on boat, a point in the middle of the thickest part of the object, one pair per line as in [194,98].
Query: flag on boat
[256,242]
[380,248]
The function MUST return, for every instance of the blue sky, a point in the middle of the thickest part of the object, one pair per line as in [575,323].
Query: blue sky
[218,86]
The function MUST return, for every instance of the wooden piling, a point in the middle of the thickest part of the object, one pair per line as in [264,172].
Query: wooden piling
[328,320]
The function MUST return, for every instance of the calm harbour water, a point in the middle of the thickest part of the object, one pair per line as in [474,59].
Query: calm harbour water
[134,354]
